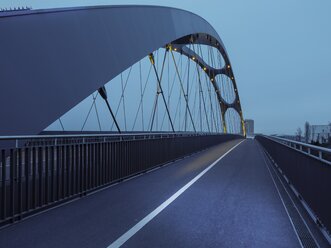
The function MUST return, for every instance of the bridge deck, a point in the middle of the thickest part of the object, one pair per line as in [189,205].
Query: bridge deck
[234,204]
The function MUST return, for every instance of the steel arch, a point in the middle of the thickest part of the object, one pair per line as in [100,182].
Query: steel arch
[53,59]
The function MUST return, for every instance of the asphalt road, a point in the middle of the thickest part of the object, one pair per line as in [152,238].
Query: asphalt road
[233,203]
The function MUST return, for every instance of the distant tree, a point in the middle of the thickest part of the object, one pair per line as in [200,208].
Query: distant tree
[307,131]
[299,133]
[316,143]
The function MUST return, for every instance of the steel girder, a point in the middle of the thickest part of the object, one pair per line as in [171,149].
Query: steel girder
[53,59]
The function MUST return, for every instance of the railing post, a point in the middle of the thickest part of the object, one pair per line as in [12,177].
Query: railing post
[12,187]
[3,203]
[52,169]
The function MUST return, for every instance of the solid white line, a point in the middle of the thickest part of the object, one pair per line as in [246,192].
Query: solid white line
[126,236]
[295,206]
[281,198]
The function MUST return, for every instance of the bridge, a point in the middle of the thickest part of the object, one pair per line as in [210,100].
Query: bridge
[123,126]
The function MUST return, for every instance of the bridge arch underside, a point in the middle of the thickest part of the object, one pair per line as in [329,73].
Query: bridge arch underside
[55,59]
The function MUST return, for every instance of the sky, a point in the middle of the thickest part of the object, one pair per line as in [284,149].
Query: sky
[280,52]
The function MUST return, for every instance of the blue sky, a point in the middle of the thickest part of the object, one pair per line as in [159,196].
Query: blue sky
[280,53]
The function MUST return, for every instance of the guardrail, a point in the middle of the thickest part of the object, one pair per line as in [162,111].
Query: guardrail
[37,172]
[308,171]
[318,152]
[39,140]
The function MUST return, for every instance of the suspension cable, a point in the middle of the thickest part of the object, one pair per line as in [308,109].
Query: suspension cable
[170,89]
[119,103]
[141,97]
[214,62]
[201,91]
[96,111]
[151,57]
[141,106]
[88,114]
[203,98]
[212,117]
[212,107]
[61,124]
[168,94]
[182,88]
[123,100]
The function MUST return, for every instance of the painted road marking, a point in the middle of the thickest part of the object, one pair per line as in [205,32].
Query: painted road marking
[126,236]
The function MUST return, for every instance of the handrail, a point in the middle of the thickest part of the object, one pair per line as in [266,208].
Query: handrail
[306,168]
[24,137]
[35,177]
[327,150]
[299,146]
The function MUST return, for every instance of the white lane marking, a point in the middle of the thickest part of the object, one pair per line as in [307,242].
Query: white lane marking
[126,236]
[281,198]
[295,206]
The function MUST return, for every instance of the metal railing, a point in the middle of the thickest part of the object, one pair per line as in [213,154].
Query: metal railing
[21,8]
[39,140]
[38,172]
[321,153]
[307,170]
